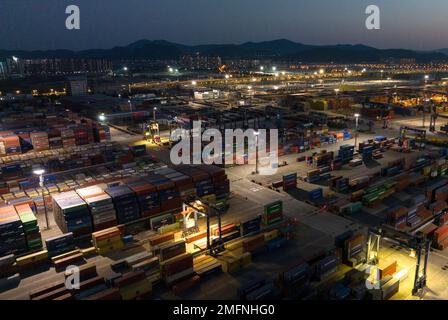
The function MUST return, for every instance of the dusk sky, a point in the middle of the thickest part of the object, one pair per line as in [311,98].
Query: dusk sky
[40,24]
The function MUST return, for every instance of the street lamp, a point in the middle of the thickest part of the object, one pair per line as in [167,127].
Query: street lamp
[256,133]
[102,117]
[154,113]
[40,174]
[356,128]
[261,68]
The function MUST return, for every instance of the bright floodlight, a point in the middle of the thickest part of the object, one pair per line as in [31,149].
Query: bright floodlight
[227,76]
[356,115]
[426,77]
[274,68]
[194,83]
[321,71]
[364,70]
[256,133]
[15,58]
[261,68]
[336,90]
[102,117]
[171,70]
[125,68]
[39,172]
[155,108]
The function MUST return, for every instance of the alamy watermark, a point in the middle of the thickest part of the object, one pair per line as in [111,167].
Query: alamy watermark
[73,21]
[73,278]
[256,147]
[373,19]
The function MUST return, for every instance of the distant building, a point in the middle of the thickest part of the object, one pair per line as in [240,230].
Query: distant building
[3,69]
[200,62]
[12,67]
[407,61]
[77,86]
[66,66]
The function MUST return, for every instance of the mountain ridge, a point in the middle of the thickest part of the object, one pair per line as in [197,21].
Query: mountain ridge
[274,49]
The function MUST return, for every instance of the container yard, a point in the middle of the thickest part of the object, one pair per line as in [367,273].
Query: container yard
[138,227]
[233,179]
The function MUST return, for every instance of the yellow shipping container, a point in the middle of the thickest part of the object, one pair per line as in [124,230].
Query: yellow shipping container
[169,228]
[234,245]
[233,262]
[110,247]
[135,290]
[106,242]
[31,258]
[211,198]
[230,264]
[88,251]
[65,255]
[268,236]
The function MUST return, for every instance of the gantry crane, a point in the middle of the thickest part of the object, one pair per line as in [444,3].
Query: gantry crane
[419,243]
[195,205]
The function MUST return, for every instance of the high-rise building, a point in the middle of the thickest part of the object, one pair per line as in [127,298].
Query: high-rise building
[3,69]
[200,62]
[77,86]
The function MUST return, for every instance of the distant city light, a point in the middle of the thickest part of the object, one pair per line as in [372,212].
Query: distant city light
[249,87]
[227,76]
[321,71]
[171,70]
[274,68]
[194,83]
[15,58]
[39,172]
[426,77]
[261,68]
[275,87]
[363,70]
[283,73]
[125,68]
[254,79]
[102,117]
